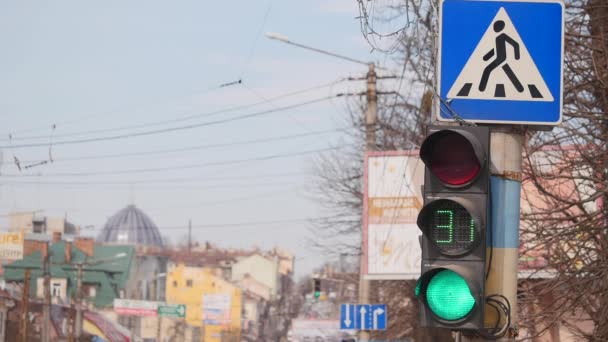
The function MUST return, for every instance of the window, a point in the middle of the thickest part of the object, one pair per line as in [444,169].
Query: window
[123,237]
[38,227]
[56,289]
[175,283]
[189,282]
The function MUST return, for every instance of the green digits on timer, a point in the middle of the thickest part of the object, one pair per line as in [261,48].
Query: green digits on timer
[447,222]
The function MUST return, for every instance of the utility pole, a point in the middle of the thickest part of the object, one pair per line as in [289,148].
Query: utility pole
[78,320]
[25,300]
[371,115]
[189,236]
[71,323]
[46,308]
[159,318]
[371,118]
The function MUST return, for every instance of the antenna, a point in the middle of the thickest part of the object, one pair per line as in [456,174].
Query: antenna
[132,194]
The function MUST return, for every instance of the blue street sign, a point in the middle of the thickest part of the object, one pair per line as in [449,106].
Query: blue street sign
[497,64]
[378,317]
[347,316]
[362,313]
[363,316]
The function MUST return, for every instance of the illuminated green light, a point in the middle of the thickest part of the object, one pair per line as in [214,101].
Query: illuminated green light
[417,289]
[449,296]
[449,226]
[317,294]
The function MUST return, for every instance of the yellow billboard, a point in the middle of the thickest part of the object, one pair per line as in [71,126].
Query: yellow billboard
[11,246]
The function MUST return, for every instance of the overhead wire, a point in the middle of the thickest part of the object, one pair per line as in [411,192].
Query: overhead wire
[178,128]
[194,148]
[366,14]
[256,196]
[84,118]
[244,223]
[181,167]
[260,96]
[249,224]
[112,187]
[164,180]
[187,117]
[256,39]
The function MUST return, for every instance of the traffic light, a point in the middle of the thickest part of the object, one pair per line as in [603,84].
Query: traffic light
[453,222]
[316,287]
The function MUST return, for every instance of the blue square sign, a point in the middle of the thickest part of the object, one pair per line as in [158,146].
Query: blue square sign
[347,316]
[363,316]
[361,320]
[378,317]
[501,61]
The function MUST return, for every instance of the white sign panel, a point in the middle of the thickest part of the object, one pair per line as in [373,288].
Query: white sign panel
[131,307]
[216,308]
[393,199]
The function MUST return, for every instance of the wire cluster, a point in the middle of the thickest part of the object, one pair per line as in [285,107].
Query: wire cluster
[502,306]
[366,18]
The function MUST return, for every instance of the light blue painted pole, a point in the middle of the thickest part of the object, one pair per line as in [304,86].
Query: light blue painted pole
[503,239]
[505,197]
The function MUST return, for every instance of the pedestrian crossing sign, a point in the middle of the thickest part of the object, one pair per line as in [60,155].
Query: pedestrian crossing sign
[501,61]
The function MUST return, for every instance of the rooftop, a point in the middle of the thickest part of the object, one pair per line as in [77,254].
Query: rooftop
[130,226]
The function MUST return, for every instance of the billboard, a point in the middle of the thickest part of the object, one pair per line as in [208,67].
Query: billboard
[392,200]
[216,308]
[131,307]
[11,246]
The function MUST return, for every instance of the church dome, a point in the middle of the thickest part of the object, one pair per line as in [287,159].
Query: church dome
[130,226]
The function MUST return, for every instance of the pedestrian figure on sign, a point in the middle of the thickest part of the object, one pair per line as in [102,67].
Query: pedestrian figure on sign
[500,51]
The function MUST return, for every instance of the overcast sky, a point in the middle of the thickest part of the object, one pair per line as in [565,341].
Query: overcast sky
[110,68]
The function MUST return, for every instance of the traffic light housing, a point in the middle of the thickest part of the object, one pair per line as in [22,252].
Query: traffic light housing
[454,222]
[316,287]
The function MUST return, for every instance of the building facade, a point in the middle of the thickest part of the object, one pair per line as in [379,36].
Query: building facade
[213,305]
[263,269]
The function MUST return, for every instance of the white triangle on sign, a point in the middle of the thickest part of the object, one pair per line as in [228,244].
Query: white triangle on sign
[509,78]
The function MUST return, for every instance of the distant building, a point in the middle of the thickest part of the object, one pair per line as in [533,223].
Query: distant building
[131,226]
[256,298]
[264,270]
[286,261]
[105,276]
[33,223]
[213,305]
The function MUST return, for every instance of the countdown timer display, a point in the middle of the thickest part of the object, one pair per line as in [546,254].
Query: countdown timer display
[451,228]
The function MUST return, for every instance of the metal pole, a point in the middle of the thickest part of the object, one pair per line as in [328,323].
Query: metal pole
[189,236]
[71,323]
[154,296]
[3,322]
[371,117]
[46,312]
[78,320]
[506,163]
[25,305]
